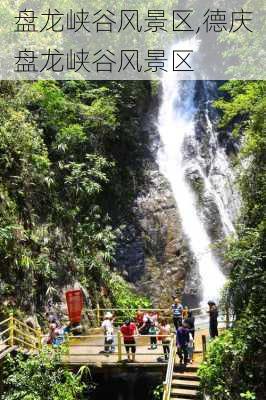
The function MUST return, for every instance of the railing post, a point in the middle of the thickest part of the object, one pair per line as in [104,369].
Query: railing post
[165,392]
[204,346]
[98,319]
[11,330]
[119,346]
[174,346]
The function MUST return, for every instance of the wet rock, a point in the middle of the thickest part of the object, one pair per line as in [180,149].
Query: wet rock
[153,251]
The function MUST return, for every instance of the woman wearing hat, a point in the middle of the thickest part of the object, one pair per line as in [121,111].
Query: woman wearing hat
[108,328]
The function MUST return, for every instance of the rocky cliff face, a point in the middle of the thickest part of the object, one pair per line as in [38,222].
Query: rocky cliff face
[153,252]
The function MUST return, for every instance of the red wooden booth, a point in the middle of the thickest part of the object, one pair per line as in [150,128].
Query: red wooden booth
[74,300]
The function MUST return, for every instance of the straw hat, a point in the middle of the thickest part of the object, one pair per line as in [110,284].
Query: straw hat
[108,315]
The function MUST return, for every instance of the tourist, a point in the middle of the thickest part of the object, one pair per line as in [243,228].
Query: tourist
[185,312]
[164,336]
[182,340]
[108,328]
[53,332]
[190,348]
[213,313]
[153,317]
[177,310]
[128,330]
[139,318]
[52,318]
[146,324]
[149,327]
[190,321]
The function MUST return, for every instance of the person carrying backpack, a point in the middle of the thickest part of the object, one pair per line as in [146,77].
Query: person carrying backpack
[146,324]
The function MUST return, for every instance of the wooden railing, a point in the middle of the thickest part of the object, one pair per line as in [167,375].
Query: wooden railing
[167,384]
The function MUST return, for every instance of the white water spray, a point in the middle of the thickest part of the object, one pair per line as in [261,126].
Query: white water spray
[175,125]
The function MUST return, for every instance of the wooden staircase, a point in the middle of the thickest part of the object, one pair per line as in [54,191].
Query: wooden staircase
[185,383]
[4,350]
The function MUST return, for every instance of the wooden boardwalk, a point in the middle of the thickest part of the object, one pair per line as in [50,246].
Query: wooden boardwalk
[89,351]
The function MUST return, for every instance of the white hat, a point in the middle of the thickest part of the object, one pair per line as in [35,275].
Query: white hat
[108,315]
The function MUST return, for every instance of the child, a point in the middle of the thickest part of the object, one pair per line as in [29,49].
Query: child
[153,317]
[164,336]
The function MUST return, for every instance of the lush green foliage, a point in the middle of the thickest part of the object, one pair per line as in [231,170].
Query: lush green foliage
[235,367]
[40,378]
[66,183]
[158,392]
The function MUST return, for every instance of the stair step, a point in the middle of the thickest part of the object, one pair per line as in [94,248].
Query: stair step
[186,393]
[186,375]
[183,398]
[182,369]
[6,350]
[184,383]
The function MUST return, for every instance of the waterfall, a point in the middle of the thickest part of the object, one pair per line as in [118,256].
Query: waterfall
[176,127]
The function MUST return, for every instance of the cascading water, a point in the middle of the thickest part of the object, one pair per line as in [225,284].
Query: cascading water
[176,126]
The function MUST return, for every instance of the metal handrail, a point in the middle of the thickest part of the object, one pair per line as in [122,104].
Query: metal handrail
[17,321]
[169,372]
[5,321]
[99,312]
[29,338]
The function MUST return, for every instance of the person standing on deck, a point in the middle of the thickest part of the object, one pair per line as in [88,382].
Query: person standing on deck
[108,328]
[177,312]
[190,348]
[190,321]
[182,341]
[164,336]
[129,330]
[213,313]
[153,316]
[185,312]
[139,318]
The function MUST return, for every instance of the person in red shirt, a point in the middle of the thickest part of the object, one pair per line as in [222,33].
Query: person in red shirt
[128,330]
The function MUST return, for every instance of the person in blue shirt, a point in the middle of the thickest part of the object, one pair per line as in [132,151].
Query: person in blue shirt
[177,311]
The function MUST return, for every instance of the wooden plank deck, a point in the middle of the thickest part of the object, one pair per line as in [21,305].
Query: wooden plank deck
[81,352]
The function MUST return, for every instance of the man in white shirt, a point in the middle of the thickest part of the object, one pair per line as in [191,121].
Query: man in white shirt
[108,328]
